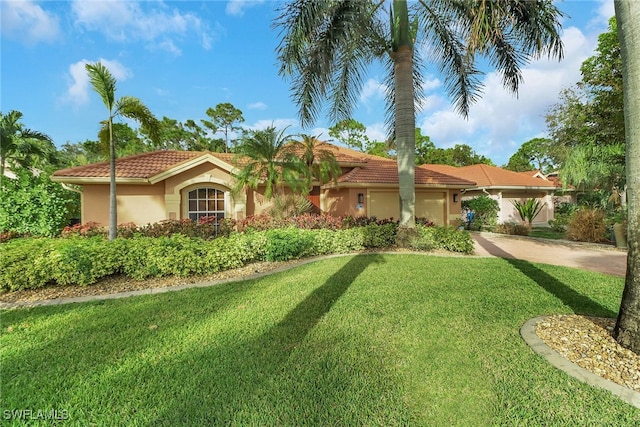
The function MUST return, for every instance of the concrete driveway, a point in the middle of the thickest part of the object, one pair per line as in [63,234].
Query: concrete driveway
[600,258]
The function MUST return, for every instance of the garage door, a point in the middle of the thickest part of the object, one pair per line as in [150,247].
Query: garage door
[384,204]
[431,205]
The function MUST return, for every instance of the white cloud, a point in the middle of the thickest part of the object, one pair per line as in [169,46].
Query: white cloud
[372,90]
[237,7]
[126,21]
[499,121]
[376,132]
[28,22]
[79,86]
[257,106]
[606,10]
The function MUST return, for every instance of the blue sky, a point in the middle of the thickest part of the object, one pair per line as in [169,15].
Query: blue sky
[182,57]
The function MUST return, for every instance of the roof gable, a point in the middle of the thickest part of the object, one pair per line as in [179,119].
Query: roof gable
[148,168]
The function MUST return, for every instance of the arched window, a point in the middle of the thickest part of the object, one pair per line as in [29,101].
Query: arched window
[206,202]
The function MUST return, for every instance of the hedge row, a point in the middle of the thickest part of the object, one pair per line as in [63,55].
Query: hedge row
[37,262]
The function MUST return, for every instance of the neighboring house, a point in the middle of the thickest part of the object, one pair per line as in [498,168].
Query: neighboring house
[163,185]
[506,187]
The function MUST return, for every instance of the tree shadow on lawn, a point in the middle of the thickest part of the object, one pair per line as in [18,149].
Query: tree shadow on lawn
[219,376]
[280,378]
[579,303]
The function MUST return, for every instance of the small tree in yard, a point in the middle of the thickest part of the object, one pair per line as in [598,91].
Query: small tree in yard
[132,108]
[485,211]
[528,210]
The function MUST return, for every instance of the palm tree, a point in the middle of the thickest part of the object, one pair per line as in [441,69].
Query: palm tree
[627,329]
[264,162]
[327,46]
[127,106]
[20,146]
[318,164]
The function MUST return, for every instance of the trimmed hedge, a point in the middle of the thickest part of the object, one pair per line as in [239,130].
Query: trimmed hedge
[29,263]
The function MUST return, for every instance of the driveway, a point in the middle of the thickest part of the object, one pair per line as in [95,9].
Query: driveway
[600,258]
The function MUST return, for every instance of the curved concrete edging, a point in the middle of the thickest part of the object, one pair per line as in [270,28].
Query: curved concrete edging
[150,291]
[528,333]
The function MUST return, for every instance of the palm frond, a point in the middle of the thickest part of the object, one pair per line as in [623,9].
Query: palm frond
[103,83]
[325,49]
[132,108]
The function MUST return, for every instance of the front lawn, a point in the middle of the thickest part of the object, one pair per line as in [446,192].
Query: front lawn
[399,339]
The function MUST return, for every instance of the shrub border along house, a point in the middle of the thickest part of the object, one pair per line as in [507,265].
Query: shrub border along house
[85,255]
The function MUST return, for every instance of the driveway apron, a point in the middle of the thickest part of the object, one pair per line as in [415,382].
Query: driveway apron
[600,258]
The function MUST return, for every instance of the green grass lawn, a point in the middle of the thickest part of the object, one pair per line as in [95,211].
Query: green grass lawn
[358,340]
[546,233]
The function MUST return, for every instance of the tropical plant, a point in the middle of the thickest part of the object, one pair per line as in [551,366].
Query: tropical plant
[128,107]
[20,146]
[528,210]
[327,46]
[263,161]
[627,329]
[319,164]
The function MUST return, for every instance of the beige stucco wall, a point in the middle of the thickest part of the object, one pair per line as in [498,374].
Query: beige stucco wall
[344,201]
[385,203]
[143,204]
[140,204]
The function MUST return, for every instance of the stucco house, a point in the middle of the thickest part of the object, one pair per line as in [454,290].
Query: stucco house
[506,187]
[163,185]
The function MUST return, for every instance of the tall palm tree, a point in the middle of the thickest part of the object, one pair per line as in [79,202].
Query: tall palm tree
[20,146]
[129,107]
[627,329]
[317,163]
[327,45]
[264,162]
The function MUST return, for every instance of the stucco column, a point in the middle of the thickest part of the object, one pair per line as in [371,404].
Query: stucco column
[172,205]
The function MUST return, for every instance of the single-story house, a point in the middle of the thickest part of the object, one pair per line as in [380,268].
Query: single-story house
[168,184]
[506,187]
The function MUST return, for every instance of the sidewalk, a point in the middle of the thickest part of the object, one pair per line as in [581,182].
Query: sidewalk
[593,257]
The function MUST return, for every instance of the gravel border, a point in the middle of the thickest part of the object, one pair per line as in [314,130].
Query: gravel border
[531,338]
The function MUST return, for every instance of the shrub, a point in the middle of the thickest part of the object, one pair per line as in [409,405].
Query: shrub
[36,262]
[289,243]
[587,225]
[485,211]
[513,229]
[35,205]
[379,236]
[88,229]
[348,240]
[448,238]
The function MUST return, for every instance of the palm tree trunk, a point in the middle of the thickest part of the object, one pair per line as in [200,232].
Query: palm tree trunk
[113,202]
[405,119]
[627,330]
[405,127]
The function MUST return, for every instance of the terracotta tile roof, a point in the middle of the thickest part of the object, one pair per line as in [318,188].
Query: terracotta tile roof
[492,176]
[386,172]
[143,165]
